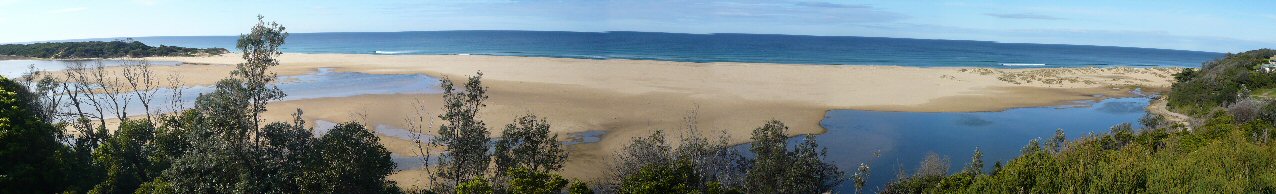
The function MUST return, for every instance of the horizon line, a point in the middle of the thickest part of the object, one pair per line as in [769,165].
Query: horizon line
[622,31]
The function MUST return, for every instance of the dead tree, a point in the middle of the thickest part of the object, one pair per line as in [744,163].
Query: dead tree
[77,88]
[142,83]
[419,130]
[110,90]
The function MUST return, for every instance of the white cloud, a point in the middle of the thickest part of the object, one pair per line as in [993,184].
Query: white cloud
[69,10]
[1030,16]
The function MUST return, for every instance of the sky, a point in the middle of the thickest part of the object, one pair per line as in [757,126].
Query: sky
[1217,26]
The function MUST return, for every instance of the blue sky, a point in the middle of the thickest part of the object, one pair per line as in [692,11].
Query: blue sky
[1221,26]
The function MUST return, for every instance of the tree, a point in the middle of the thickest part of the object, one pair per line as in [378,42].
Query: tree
[259,48]
[1056,144]
[714,161]
[770,157]
[141,81]
[464,137]
[475,186]
[293,162]
[810,173]
[225,113]
[976,166]
[639,153]
[579,188]
[225,153]
[81,88]
[124,157]
[527,144]
[778,170]
[31,159]
[523,180]
[355,162]
[680,177]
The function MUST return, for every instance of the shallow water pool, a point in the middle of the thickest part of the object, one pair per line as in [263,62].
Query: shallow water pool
[904,138]
[17,68]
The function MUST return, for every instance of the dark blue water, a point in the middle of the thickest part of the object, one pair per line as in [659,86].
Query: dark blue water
[718,48]
[904,138]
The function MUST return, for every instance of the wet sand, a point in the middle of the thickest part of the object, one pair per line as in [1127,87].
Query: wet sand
[631,98]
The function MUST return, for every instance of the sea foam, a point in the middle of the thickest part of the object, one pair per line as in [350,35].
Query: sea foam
[1023,64]
[394,52]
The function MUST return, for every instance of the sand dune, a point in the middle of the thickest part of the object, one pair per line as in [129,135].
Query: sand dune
[630,98]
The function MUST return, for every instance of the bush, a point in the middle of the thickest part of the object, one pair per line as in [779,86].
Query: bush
[1246,109]
[100,49]
[524,180]
[656,178]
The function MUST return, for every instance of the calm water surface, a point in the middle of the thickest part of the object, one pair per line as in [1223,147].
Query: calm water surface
[904,138]
[16,68]
[322,84]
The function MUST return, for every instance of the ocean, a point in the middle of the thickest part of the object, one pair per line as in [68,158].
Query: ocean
[757,48]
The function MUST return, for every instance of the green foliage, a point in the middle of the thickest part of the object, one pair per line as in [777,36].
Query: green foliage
[355,162]
[124,157]
[579,188]
[157,186]
[100,49]
[526,144]
[650,164]
[476,186]
[680,177]
[216,147]
[930,172]
[464,137]
[1221,156]
[259,48]
[1218,82]
[778,170]
[31,158]
[523,180]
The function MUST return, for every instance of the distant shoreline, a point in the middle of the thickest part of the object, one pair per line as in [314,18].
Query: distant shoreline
[604,32]
[739,48]
[11,57]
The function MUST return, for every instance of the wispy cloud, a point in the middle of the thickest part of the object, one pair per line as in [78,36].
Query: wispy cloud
[1029,16]
[829,5]
[69,10]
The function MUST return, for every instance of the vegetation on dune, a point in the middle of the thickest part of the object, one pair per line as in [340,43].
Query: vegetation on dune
[101,49]
[1221,82]
[1229,150]
[698,165]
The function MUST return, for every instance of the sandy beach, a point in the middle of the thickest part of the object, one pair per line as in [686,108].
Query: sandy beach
[630,98]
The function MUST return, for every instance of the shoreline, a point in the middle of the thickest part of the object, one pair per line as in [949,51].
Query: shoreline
[1011,89]
[632,98]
